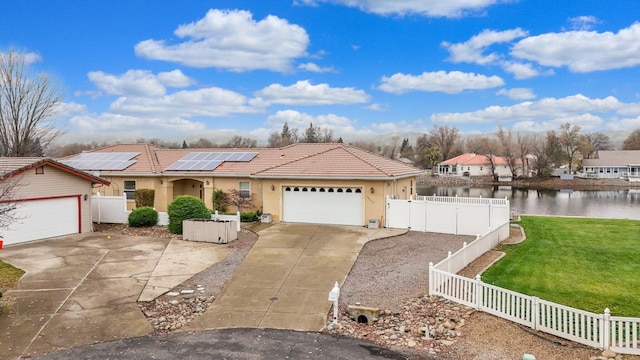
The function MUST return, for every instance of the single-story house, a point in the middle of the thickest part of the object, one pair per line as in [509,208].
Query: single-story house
[472,164]
[50,198]
[314,183]
[613,164]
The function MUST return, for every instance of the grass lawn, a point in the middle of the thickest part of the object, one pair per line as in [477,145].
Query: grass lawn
[588,264]
[9,275]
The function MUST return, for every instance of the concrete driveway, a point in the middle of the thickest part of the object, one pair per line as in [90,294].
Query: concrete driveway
[284,281]
[83,289]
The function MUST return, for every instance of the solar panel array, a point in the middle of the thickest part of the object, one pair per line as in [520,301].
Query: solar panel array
[207,161]
[102,161]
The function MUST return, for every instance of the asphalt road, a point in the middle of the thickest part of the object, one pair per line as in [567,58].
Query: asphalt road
[234,344]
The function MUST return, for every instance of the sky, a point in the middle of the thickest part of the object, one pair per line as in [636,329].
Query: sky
[363,68]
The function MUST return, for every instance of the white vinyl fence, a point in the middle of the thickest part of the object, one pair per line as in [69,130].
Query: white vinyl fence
[113,210]
[619,334]
[448,215]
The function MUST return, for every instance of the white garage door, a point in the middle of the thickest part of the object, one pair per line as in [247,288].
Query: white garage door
[40,219]
[323,205]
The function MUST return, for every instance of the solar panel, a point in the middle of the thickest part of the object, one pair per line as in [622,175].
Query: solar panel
[102,161]
[207,161]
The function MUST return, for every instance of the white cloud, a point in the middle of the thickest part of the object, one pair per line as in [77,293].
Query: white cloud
[471,51]
[575,108]
[583,51]
[138,82]
[296,119]
[207,102]
[448,82]
[232,40]
[583,23]
[430,8]
[624,124]
[517,93]
[305,93]
[315,68]
[377,107]
[111,122]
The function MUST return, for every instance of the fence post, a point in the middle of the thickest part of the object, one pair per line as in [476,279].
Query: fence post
[238,220]
[386,212]
[99,206]
[464,253]
[535,312]
[478,292]
[124,213]
[449,262]
[431,278]
[606,329]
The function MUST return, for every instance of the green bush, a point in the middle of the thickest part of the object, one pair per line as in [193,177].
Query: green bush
[183,208]
[220,201]
[250,216]
[144,197]
[143,217]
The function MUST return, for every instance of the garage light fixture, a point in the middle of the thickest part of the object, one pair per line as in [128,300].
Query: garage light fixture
[372,190]
[273,188]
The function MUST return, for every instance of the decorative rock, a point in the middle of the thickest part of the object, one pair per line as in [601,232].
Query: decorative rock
[609,354]
[411,343]
[174,302]
[173,293]
[186,292]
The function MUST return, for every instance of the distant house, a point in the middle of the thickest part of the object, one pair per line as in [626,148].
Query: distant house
[613,164]
[472,164]
[313,183]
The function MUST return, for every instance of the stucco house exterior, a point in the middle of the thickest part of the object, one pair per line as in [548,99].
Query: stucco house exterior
[613,164]
[472,164]
[51,198]
[315,183]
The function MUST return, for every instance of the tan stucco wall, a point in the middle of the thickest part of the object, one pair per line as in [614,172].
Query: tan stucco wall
[56,183]
[266,199]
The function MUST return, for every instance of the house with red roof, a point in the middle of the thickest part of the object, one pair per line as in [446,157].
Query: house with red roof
[472,164]
[315,183]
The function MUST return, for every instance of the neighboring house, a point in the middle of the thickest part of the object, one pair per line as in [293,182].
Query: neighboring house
[52,199]
[314,183]
[472,164]
[613,164]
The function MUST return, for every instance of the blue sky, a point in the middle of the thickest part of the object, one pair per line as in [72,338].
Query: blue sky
[214,69]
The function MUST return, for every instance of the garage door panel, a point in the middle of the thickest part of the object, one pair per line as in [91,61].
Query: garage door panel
[343,208]
[40,219]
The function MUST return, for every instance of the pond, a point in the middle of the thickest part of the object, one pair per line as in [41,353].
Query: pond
[616,204]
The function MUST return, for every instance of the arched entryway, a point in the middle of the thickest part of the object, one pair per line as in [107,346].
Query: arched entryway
[188,187]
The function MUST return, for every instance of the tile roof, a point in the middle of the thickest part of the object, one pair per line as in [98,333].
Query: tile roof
[297,160]
[473,159]
[11,166]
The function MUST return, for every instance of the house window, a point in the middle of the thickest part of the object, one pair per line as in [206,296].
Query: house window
[130,189]
[40,170]
[245,189]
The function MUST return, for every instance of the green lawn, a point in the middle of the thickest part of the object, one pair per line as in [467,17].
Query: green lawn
[589,264]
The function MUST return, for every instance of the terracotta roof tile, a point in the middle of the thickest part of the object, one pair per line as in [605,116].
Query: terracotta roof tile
[307,160]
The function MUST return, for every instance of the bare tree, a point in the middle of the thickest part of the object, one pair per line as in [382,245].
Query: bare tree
[570,140]
[524,150]
[284,138]
[488,149]
[420,151]
[445,138]
[367,146]
[632,142]
[591,143]
[548,152]
[239,199]
[8,191]
[27,104]
[240,142]
[508,149]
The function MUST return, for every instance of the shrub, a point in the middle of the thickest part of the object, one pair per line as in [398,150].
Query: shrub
[220,201]
[144,197]
[143,217]
[250,216]
[183,208]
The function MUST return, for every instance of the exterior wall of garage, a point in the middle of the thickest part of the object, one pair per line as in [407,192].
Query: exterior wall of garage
[53,183]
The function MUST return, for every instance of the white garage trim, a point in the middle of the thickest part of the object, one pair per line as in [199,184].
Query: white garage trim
[338,205]
[43,218]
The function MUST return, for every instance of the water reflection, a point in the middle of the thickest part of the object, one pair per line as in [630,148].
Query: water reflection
[624,204]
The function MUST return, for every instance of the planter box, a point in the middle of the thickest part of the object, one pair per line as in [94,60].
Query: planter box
[213,231]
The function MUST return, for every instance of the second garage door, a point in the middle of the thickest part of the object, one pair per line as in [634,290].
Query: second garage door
[323,205]
[40,219]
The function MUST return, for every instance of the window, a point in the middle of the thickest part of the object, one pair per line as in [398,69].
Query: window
[130,189]
[245,189]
